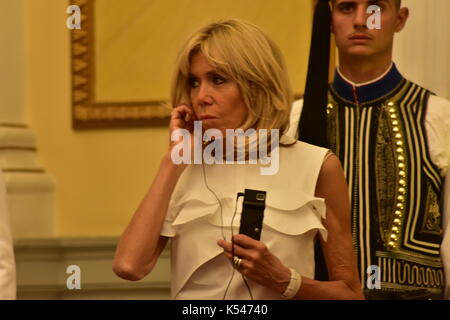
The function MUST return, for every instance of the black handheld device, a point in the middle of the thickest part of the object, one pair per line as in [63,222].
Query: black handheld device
[253,213]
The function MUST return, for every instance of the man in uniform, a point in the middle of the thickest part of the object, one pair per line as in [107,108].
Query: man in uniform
[393,139]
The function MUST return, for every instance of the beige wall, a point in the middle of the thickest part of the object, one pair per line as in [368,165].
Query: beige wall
[138,40]
[11,62]
[100,175]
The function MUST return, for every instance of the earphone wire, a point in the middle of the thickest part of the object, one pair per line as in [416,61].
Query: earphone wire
[223,233]
[218,200]
[232,249]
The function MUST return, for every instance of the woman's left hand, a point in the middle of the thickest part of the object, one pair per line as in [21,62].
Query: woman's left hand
[258,263]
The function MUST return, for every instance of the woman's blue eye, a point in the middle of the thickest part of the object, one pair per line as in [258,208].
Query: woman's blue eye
[193,83]
[218,80]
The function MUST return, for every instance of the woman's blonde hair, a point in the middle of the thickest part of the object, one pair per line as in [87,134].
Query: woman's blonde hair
[247,55]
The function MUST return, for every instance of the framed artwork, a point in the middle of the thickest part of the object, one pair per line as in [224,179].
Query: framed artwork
[123,55]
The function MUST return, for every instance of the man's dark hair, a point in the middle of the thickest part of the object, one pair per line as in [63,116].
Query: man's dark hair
[398,3]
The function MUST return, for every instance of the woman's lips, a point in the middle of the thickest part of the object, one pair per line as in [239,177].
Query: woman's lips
[203,118]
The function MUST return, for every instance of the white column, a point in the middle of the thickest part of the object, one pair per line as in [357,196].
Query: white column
[422,49]
[29,188]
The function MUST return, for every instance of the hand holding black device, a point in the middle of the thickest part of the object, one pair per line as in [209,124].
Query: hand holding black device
[253,213]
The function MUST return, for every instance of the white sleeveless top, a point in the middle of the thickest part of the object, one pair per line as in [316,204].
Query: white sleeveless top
[292,218]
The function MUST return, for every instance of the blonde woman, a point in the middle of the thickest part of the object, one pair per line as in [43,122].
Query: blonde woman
[230,75]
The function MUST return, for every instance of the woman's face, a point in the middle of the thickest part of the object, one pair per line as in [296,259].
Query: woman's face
[216,99]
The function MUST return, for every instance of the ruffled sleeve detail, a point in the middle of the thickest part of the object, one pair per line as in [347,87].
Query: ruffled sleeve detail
[190,200]
[306,216]
[291,213]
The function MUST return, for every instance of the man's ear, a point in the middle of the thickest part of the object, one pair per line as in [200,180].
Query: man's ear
[402,17]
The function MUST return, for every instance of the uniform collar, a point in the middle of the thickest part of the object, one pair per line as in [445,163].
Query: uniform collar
[369,91]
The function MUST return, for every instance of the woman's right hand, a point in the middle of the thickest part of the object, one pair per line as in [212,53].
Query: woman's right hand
[182,117]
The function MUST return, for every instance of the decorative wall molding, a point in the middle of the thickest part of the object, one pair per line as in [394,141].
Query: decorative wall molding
[18,150]
[42,265]
[30,190]
[12,125]
[17,137]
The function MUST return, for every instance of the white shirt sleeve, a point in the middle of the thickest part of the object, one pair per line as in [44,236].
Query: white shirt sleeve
[7,263]
[445,246]
[296,110]
[168,230]
[437,126]
[437,123]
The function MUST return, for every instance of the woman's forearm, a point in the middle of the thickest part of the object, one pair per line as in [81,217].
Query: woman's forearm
[135,253]
[327,290]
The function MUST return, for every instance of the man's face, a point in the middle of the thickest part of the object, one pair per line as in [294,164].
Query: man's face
[354,38]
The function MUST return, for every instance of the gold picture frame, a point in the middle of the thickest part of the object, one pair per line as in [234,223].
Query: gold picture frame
[87,113]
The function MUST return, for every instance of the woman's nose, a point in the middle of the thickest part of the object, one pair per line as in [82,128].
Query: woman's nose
[204,94]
